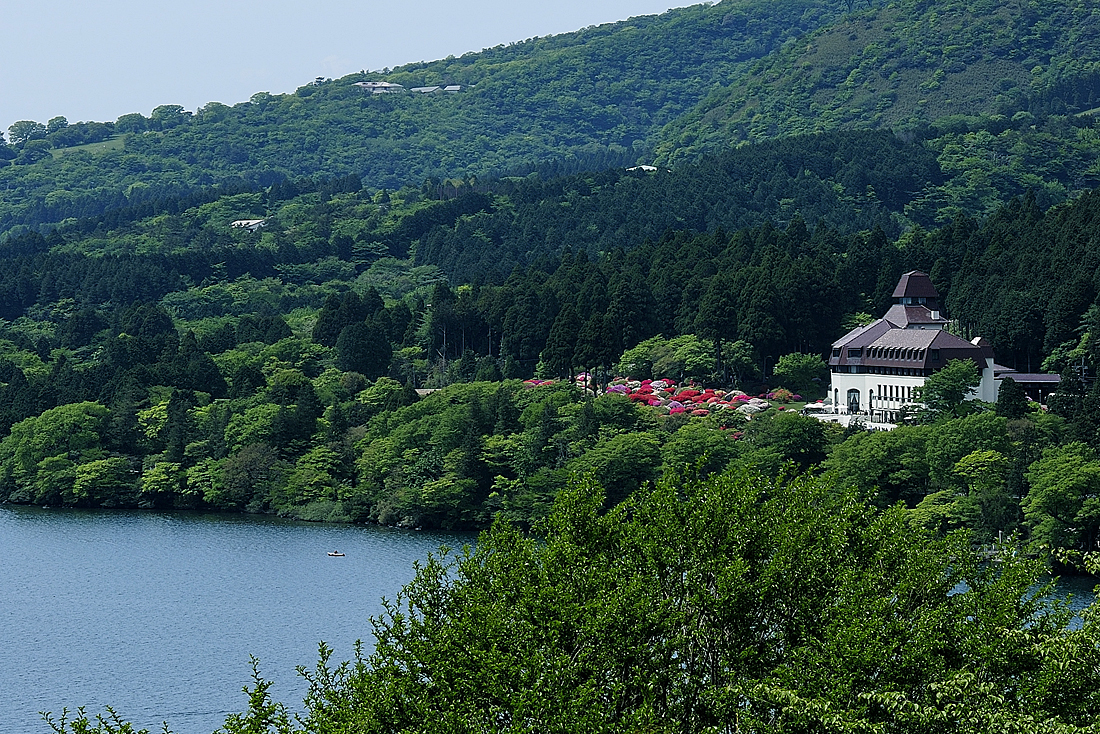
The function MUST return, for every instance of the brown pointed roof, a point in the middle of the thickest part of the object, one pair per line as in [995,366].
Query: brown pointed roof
[915,284]
[902,316]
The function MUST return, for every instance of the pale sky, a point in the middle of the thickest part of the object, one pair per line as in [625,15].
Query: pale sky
[100,59]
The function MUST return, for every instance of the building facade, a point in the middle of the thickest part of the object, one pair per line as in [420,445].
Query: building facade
[877,369]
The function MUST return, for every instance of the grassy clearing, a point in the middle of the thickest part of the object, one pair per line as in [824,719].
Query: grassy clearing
[115,142]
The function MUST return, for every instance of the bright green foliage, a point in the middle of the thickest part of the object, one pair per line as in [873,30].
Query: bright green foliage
[41,455]
[467,452]
[740,359]
[888,466]
[623,463]
[80,723]
[735,602]
[680,358]
[980,501]
[106,482]
[314,476]
[1062,508]
[797,372]
[163,478]
[988,498]
[953,440]
[255,425]
[698,442]
[945,390]
[204,481]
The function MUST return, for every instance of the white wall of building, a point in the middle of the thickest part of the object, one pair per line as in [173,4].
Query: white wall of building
[891,392]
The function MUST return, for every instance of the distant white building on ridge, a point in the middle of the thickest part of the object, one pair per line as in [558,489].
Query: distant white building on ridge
[380,87]
[250,224]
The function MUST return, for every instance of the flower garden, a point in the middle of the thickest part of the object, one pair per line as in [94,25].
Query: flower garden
[673,399]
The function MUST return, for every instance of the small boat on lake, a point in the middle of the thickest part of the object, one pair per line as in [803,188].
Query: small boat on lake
[336,554]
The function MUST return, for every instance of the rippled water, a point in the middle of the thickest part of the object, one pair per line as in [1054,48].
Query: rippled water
[1077,591]
[157,614]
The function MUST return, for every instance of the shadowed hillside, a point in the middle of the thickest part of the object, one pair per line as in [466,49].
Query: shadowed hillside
[590,99]
[904,65]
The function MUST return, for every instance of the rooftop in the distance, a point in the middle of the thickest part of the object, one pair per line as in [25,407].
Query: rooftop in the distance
[915,284]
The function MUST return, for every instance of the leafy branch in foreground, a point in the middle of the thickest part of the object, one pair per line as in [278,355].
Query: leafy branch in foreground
[264,714]
[112,723]
[734,602]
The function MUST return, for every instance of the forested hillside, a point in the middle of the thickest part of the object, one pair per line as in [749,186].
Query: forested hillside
[588,99]
[154,354]
[995,92]
[904,65]
[158,356]
[476,310]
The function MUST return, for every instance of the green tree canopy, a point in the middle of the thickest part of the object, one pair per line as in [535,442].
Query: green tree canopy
[1062,507]
[797,372]
[737,602]
[944,391]
[25,130]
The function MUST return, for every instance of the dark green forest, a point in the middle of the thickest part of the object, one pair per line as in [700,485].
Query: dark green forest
[1001,94]
[490,310]
[162,358]
[582,100]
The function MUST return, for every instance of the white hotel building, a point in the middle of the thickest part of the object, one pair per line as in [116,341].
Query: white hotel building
[876,368]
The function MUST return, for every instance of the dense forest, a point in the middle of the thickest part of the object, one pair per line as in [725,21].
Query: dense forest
[588,99]
[904,65]
[160,357]
[479,310]
[994,91]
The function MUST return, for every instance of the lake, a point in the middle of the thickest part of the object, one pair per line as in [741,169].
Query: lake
[157,614]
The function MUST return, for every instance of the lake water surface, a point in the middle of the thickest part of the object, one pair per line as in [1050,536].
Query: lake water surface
[157,614]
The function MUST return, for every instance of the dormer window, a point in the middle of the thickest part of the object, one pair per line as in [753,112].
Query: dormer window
[935,355]
[836,352]
[855,353]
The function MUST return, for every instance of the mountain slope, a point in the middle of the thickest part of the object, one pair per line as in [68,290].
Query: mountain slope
[598,95]
[904,65]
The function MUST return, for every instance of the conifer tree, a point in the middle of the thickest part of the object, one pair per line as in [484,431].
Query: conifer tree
[560,345]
